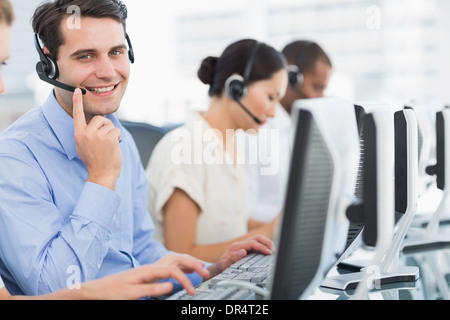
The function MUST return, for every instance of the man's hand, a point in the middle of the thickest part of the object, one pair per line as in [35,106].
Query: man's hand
[97,145]
[141,282]
[239,250]
[186,263]
[138,283]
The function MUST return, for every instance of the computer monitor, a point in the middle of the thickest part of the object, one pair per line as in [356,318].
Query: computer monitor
[430,238]
[364,210]
[406,193]
[356,227]
[429,194]
[377,207]
[313,227]
[405,177]
[426,118]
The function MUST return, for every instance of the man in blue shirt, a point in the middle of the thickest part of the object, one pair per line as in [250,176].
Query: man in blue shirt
[73,199]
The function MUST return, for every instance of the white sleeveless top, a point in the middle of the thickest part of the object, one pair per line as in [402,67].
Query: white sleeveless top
[219,189]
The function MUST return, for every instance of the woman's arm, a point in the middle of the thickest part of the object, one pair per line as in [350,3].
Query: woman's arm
[264,228]
[181,215]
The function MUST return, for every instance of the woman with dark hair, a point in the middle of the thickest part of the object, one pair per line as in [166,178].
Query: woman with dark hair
[197,180]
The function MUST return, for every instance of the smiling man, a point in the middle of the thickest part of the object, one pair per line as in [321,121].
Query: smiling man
[89,59]
[73,200]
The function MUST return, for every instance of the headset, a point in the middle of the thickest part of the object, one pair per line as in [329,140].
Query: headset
[295,73]
[47,68]
[236,85]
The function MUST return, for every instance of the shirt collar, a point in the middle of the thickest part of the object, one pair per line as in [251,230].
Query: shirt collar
[62,125]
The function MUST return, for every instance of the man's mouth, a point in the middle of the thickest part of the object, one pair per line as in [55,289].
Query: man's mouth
[102,89]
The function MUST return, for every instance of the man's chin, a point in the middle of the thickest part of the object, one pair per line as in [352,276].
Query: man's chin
[101,109]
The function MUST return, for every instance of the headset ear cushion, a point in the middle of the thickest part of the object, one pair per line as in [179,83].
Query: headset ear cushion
[131,55]
[295,76]
[235,87]
[130,49]
[51,67]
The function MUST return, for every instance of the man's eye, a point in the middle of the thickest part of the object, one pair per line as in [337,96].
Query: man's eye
[116,52]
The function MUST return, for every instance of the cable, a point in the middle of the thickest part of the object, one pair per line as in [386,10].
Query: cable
[245,285]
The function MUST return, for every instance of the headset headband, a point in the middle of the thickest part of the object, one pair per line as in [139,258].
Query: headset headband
[249,66]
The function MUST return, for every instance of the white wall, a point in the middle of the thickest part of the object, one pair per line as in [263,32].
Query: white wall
[381,50]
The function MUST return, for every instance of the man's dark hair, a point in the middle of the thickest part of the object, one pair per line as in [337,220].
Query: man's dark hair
[310,51]
[48,16]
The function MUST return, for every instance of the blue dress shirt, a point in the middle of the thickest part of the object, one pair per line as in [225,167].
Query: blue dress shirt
[56,229]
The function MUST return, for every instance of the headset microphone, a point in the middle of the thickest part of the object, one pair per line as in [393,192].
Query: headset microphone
[236,85]
[47,69]
[235,90]
[56,83]
[249,113]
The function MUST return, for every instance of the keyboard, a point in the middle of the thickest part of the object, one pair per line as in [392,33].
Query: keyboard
[254,268]
[246,279]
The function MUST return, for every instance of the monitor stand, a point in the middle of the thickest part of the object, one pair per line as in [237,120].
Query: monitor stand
[352,272]
[429,238]
[404,276]
[344,286]
[387,287]
[422,220]
[382,270]
[419,243]
[437,288]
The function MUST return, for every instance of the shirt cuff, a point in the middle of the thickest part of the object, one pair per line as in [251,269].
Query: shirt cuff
[98,204]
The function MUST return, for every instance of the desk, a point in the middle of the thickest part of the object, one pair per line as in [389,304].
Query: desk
[430,268]
[433,282]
